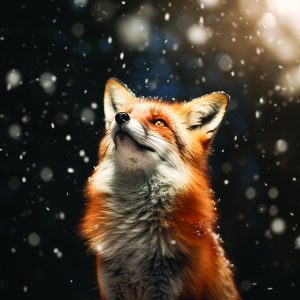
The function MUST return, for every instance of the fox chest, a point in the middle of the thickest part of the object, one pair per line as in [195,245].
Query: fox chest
[144,264]
[138,224]
[140,253]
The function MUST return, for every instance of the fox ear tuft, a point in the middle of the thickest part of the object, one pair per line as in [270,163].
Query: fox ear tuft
[206,113]
[117,97]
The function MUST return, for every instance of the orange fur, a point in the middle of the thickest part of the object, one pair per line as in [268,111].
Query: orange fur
[207,273]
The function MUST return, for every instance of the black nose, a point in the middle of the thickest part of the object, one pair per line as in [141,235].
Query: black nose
[122,117]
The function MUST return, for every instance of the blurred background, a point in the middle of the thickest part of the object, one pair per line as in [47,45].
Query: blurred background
[55,59]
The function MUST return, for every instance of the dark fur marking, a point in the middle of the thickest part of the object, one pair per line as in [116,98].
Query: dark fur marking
[179,142]
[146,133]
[215,108]
[208,118]
[211,131]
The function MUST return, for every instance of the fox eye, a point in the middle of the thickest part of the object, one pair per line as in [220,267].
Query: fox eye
[159,123]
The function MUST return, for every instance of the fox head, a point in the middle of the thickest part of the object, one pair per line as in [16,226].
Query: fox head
[149,135]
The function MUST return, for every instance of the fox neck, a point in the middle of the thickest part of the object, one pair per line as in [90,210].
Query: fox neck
[137,207]
[149,196]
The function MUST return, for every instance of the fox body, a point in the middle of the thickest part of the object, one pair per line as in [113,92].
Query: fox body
[150,214]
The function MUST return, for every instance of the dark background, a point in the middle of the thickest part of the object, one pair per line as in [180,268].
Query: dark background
[55,58]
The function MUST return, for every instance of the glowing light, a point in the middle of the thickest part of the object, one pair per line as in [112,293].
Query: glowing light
[46,174]
[281,146]
[198,35]
[70,170]
[87,115]
[34,239]
[287,13]
[14,131]
[167,17]
[134,31]
[250,193]
[250,8]
[80,3]
[284,7]
[13,79]
[209,3]
[57,252]
[297,243]
[280,21]
[61,215]
[290,79]
[48,82]
[268,20]
[273,193]
[224,62]
[278,226]
[280,44]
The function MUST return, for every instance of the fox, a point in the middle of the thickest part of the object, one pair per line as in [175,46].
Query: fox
[150,216]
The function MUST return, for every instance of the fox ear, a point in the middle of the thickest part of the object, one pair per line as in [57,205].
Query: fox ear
[206,113]
[117,97]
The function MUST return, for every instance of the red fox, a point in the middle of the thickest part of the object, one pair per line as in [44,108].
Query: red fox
[150,214]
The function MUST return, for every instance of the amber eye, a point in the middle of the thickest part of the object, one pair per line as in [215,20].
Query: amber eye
[159,123]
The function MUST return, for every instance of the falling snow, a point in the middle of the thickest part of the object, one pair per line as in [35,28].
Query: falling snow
[297,243]
[57,252]
[87,115]
[46,174]
[48,82]
[278,226]
[250,193]
[80,3]
[225,62]
[70,170]
[281,146]
[198,35]
[34,239]
[14,131]
[55,60]
[273,193]
[13,79]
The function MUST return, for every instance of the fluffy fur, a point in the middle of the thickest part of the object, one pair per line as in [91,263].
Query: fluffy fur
[150,214]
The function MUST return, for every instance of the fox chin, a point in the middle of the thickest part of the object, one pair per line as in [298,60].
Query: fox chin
[150,216]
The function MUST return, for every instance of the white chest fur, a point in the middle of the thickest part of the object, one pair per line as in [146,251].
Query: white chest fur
[137,212]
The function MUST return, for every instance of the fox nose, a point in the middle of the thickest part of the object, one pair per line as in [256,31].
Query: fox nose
[122,117]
